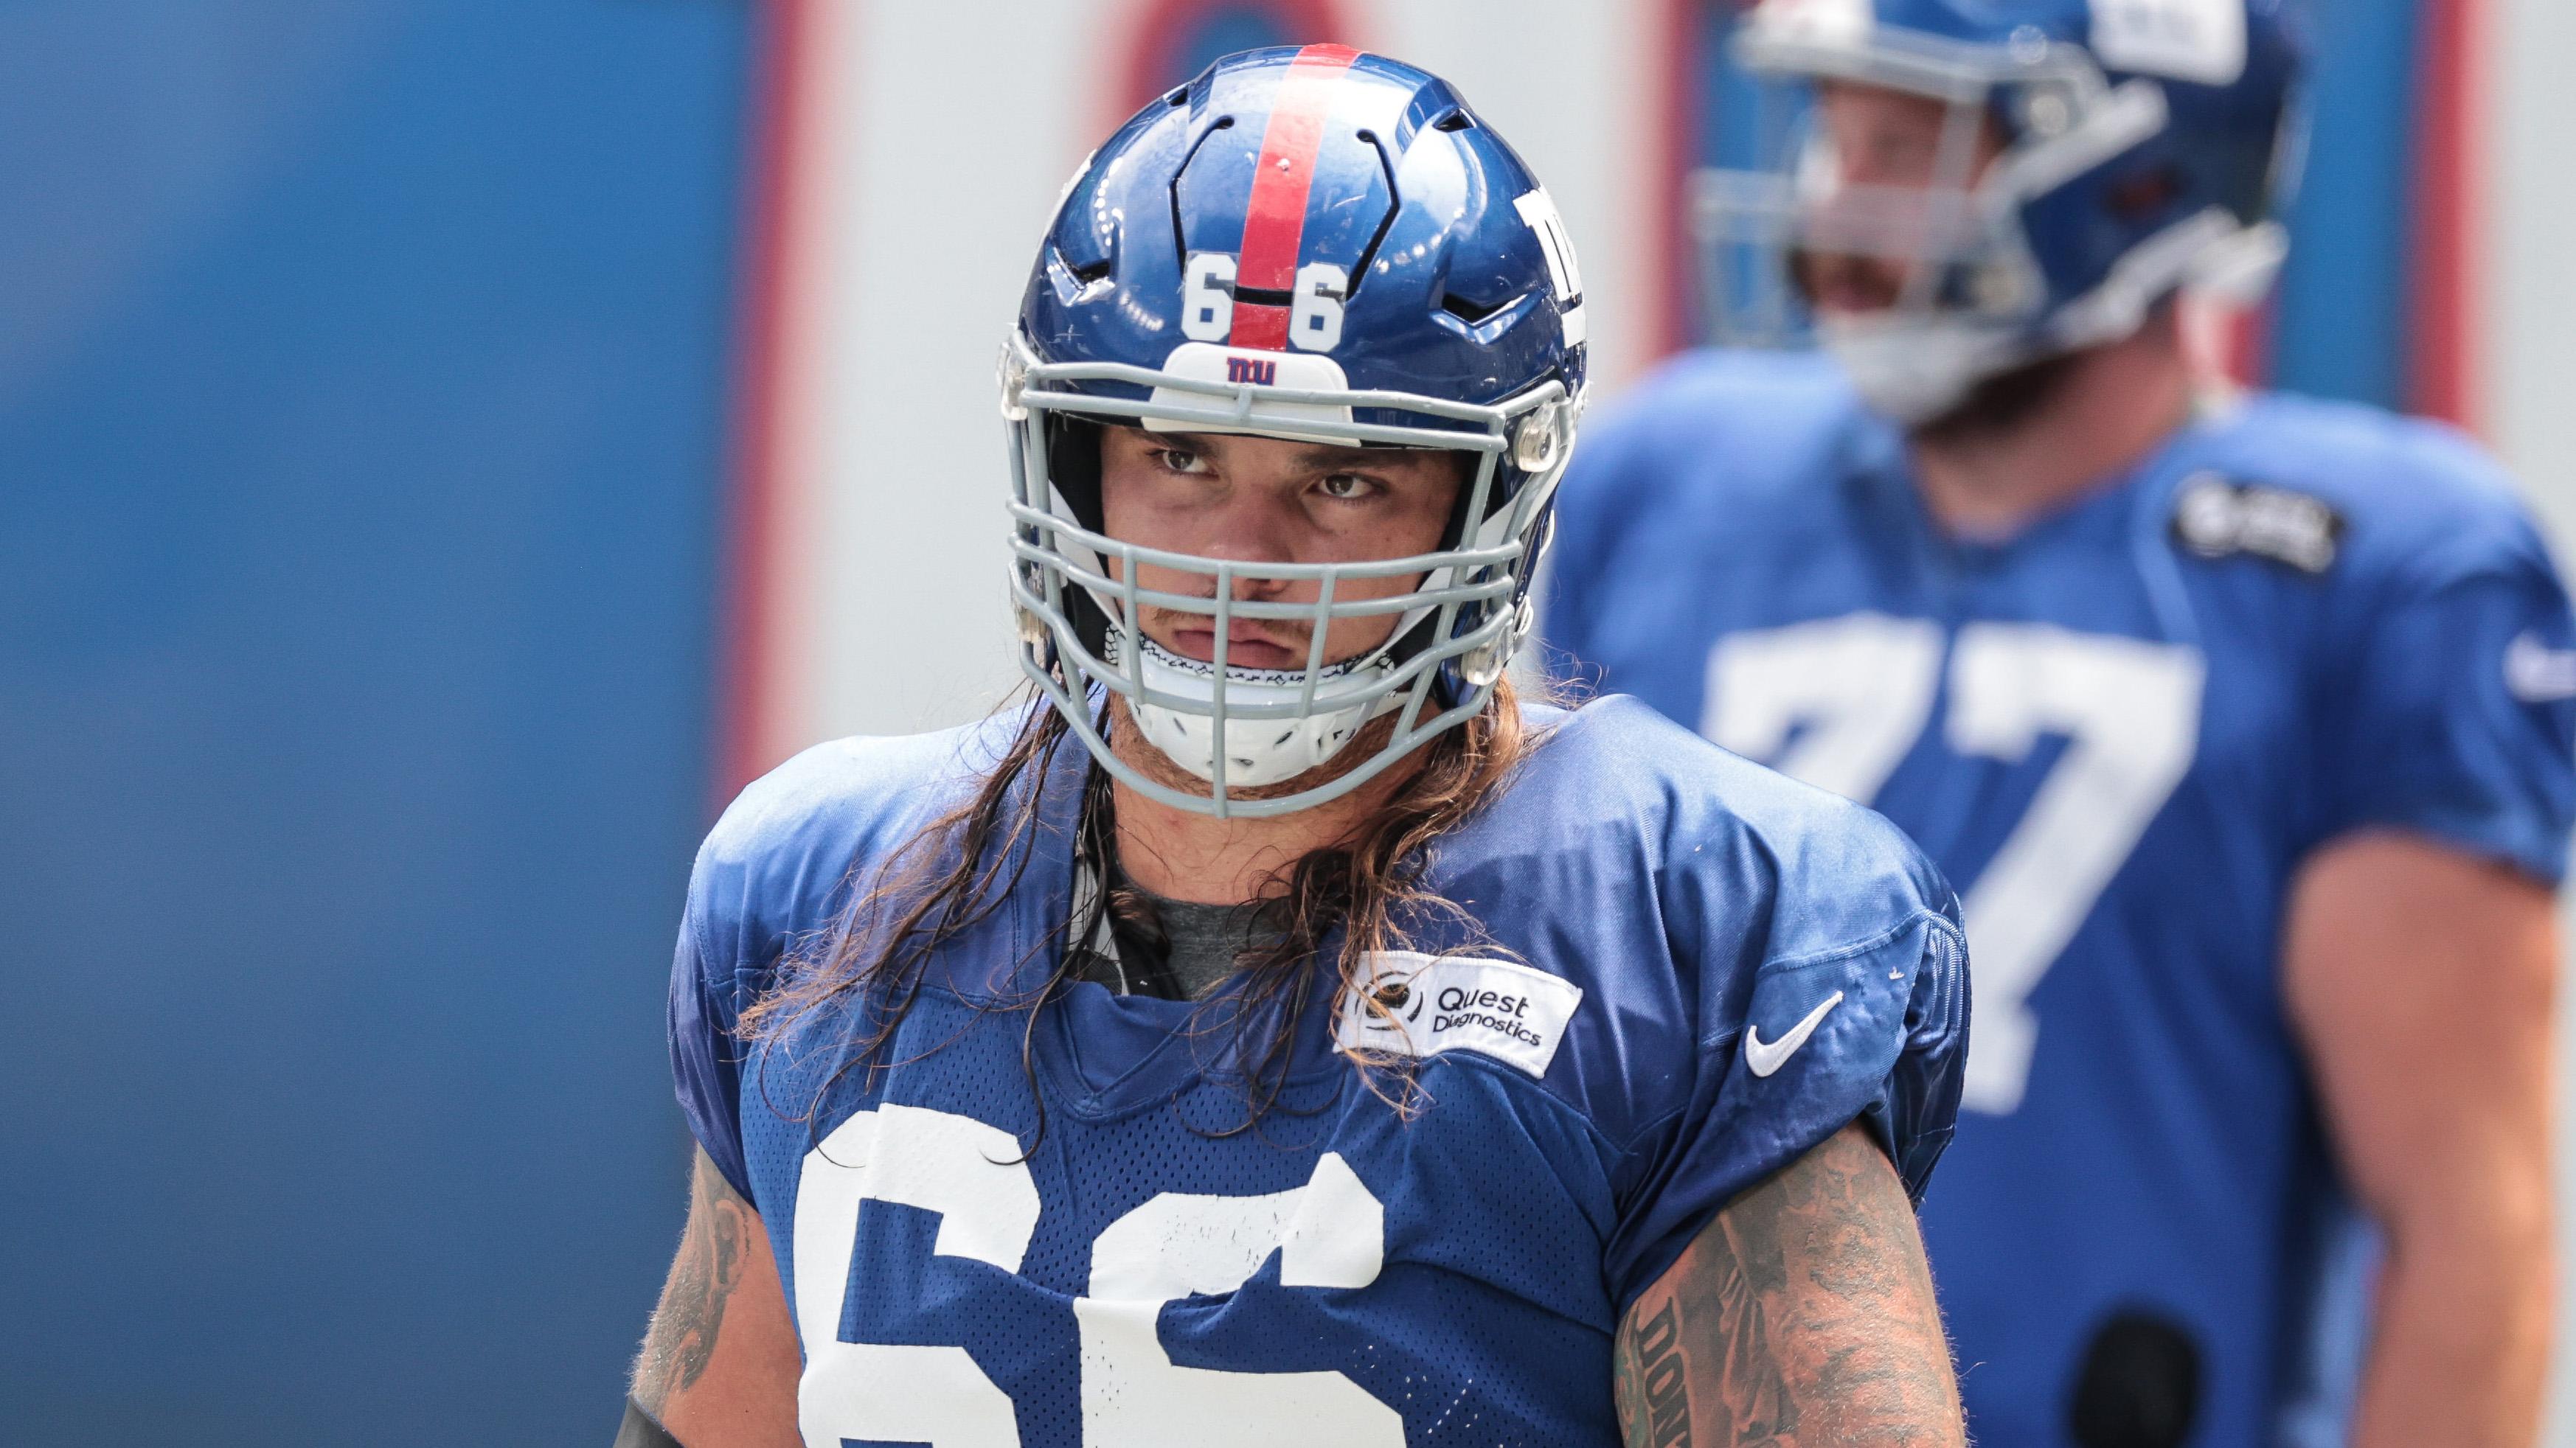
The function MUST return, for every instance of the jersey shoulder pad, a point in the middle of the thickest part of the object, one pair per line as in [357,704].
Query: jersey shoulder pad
[1690,896]
[2354,491]
[778,862]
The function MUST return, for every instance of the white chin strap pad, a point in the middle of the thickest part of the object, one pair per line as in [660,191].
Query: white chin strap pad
[1258,752]
[1912,371]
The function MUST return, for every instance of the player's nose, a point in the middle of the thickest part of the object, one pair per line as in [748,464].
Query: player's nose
[1257,532]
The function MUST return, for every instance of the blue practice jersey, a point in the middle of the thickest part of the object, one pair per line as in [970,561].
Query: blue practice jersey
[1053,1231]
[2121,730]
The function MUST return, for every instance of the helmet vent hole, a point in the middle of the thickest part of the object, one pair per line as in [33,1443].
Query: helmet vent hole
[1180,96]
[1454,121]
[1473,313]
[1091,271]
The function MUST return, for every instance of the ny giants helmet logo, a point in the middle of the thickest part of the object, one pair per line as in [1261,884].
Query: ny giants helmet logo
[1255,370]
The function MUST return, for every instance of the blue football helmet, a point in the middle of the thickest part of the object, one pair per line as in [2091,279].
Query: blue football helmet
[1319,245]
[2145,146]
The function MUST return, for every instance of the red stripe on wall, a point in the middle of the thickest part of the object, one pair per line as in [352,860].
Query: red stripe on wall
[1673,256]
[746,665]
[1274,221]
[2445,289]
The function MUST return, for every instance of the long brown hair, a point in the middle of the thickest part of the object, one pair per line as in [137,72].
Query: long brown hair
[957,870]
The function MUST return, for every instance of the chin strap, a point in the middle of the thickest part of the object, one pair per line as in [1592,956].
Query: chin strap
[1257,751]
[640,1431]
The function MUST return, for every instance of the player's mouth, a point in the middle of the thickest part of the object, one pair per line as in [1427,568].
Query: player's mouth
[1848,285]
[1249,645]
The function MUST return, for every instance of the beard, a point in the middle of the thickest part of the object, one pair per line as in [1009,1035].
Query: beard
[2003,402]
[1846,282]
[1860,285]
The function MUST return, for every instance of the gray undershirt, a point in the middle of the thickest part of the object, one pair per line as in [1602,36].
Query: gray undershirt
[1207,940]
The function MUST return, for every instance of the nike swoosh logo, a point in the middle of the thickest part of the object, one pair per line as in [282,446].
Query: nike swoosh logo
[1766,1057]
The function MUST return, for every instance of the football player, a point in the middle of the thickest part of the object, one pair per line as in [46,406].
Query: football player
[2245,721]
[1276,1033]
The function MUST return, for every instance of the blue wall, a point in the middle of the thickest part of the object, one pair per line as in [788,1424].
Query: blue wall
[2340,327]
[362,372]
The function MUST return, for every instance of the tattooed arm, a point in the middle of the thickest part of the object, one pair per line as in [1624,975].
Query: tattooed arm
[719,1364]
[1803,1315]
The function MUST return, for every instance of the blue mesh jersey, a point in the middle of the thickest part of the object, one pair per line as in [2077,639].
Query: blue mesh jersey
[2121,730]
[1055,1230]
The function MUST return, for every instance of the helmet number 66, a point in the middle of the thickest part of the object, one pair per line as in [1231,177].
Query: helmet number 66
[1314,302]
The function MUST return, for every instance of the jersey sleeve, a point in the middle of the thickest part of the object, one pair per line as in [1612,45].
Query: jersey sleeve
[706,1058]
[2456,715]
[769,872]
[1874,1030]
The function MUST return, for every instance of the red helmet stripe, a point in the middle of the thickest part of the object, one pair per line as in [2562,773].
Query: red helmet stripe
[1274,222]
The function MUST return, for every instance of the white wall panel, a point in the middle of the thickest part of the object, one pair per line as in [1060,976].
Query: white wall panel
[2530,408]
[934,180]
[2530,323]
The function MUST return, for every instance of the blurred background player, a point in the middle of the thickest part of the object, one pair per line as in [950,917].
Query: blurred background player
[1274,1033]
[2245,721]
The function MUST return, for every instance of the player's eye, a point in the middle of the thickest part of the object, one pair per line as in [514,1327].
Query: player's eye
[1180,460]
[1347,487]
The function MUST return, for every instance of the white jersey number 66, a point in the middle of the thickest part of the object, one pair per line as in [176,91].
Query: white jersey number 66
[1329,1233]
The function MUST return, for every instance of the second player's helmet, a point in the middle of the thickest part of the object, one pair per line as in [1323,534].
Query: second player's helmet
[2146,146]
[1324,246]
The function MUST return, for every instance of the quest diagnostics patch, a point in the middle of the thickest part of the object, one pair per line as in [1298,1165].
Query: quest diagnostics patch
[1512,1013]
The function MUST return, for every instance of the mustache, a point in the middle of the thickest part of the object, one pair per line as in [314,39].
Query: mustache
[1287,632]
[1842,281]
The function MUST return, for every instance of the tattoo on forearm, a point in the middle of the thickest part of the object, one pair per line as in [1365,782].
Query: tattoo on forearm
[1804,1313]
[709,1267]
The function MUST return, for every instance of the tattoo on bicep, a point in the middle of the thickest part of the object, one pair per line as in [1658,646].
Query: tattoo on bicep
[683,1336]
[1804,1304]
[1713,1332]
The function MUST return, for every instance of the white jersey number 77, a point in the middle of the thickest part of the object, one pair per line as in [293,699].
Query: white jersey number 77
[1839,702]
